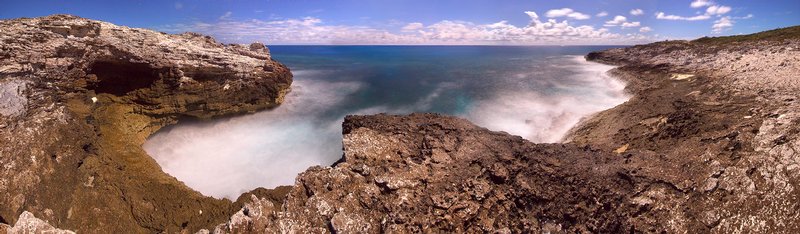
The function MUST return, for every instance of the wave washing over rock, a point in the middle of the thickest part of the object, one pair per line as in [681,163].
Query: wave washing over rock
[79,97]
[540,100]
[704,154]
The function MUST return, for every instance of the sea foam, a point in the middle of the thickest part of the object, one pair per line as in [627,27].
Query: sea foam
[226,157]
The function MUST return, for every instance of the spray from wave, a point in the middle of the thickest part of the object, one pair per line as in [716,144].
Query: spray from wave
[226,157]
[546,118]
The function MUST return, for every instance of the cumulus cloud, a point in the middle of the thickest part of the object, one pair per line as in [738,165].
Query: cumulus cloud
[722,24]
[700,3]
[631,24]
[412,27]
[602,14]
[645,29]
[567,12]
[712,10]
[664,16]
[637,12]
[717,10]
[618,20]
[311,30]
[622,22]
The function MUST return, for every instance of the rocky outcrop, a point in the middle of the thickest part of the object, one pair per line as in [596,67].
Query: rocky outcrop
[27,223]
[78,98]
[433,173]
[729,133]
[707,144]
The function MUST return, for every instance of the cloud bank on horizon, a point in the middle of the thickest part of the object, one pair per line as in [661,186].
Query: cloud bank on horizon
[559,26]
[448,22]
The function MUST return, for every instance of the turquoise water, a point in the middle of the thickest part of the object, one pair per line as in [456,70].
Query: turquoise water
[534,92]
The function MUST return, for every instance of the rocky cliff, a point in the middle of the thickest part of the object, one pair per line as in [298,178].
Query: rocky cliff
[707,144]
[78,98]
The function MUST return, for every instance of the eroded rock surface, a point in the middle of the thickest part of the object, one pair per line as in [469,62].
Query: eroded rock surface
[729,134]
[27,223]
[707,144]
[78,97]
[427,172]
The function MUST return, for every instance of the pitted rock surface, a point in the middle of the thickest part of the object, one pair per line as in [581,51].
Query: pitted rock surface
[78,97]
[707,144]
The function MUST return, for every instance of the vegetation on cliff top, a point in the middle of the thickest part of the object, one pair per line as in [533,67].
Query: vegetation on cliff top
[771,35]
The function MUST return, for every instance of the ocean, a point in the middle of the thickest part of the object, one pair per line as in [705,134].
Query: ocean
[537,92]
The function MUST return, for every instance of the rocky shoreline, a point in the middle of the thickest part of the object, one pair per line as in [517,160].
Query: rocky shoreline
[707,143]
[80,97]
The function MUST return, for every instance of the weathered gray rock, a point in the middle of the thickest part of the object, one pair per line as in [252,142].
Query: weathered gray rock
[78,98]
[13,102]
[27,223]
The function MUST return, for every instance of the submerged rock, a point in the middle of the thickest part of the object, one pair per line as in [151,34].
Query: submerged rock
[78,98]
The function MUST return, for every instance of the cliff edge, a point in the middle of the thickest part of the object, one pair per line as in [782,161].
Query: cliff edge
[707,144]
[78,98]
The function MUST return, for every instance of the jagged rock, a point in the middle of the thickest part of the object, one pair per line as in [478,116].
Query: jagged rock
[27,223]
[78,98]
[726,137]
[716,152]
[406,190]
[700,155]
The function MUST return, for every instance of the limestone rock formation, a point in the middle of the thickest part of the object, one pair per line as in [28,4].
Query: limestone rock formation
[707,144]
[433,173]
[78,97]
[27,223]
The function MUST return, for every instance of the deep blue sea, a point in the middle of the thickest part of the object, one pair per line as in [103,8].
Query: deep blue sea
[538,93]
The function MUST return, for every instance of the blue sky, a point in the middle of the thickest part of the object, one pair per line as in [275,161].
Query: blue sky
[431,21]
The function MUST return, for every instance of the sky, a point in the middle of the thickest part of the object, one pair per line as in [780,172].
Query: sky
[480,22]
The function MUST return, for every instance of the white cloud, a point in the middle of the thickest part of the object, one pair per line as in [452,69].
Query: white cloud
[312,30]
[226,15]
[412,27]
[662,15]
[618,20]
[532,14]
[602,14]
[645,29]
[637,12]
[712,10]
[178,5]
[722,24]
[700,3]
[622,21]
[717,10]
[566,12]
[631,24]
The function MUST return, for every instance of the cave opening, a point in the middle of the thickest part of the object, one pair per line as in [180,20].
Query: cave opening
[119,78]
